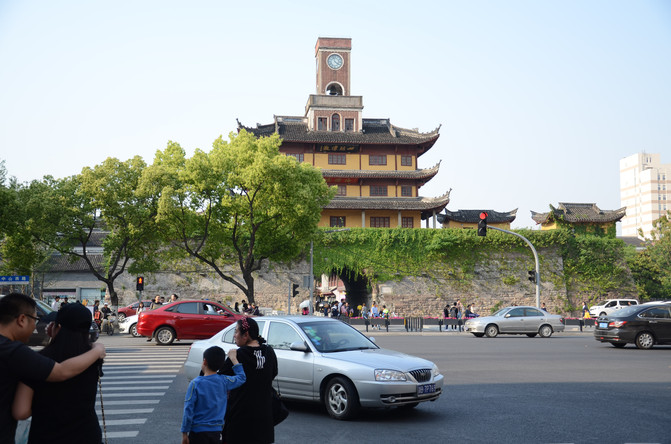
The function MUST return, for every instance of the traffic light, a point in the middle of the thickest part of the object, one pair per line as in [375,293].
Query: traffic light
[139,283]
[482,224]
[532,276]
[294,290]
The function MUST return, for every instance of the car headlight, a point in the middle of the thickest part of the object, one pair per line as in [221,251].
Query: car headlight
[434,371]
[389,375]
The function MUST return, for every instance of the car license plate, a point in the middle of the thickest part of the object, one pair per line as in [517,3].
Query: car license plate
[426,388]
[603,324]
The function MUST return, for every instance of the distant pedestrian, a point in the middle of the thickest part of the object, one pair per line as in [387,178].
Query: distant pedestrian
[543,307]
[56,304]
[206,398]
[454,314]
[156,302]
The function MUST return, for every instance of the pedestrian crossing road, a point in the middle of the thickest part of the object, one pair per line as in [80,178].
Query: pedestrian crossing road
[135,380]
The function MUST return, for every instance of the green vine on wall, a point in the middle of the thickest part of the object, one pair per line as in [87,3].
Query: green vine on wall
[592,264]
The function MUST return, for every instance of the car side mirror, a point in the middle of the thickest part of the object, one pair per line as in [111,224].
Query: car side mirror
[507,315]
[299,346]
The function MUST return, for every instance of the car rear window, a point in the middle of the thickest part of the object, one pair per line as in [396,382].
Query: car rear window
[656,313]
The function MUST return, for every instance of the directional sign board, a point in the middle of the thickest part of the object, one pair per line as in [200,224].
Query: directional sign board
[15,280]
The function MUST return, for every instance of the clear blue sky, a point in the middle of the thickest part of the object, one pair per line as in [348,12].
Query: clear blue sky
[538,100]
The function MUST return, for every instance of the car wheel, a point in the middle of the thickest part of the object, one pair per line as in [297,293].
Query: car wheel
[133,331]
[121,317]
[341,399]
[603,313]
[545,331]
[492,331]
[532,335]
[165,336]
[478,335]
[645,340]
[618,344]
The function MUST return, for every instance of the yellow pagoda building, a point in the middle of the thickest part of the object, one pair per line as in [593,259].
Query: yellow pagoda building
[373,163]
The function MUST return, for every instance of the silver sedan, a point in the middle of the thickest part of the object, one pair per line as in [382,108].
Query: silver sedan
[517,320]
[325,360]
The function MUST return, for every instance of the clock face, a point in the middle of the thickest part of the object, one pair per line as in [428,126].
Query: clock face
[334,61]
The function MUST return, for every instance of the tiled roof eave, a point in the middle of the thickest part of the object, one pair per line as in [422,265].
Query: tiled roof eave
[383,174]
[389,203]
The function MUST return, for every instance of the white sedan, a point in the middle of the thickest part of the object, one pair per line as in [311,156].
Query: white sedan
[129,325]
[325,360]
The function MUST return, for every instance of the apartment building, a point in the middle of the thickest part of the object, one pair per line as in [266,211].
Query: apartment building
[645,190]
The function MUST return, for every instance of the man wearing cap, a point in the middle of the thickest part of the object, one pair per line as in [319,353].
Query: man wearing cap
[18,362]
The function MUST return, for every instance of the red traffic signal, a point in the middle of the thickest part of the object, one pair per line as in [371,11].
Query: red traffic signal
[482,225]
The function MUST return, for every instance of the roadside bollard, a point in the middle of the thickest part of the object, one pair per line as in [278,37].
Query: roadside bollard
[582,321]
[367,322]
[386,324]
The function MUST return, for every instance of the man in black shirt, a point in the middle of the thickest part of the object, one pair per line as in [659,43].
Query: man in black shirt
[18,317]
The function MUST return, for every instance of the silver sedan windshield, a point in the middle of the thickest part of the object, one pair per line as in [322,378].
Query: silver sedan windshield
[330,337]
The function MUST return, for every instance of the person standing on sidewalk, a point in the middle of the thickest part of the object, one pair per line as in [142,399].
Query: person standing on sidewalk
[460,311]
[454,313]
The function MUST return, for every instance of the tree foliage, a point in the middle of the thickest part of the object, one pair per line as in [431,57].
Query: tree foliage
[652,266]
[237,205]
[66,215]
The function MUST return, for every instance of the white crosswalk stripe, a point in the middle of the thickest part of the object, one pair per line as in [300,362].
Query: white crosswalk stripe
[130,389]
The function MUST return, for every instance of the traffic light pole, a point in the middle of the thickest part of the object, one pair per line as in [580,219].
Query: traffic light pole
[538,274]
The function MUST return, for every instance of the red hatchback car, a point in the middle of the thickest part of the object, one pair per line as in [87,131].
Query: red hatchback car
[185,320]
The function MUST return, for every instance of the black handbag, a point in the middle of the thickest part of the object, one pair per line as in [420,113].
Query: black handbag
[280,411]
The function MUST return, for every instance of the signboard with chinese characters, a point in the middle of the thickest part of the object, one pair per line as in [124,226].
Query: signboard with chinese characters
[15,280]
[338,148]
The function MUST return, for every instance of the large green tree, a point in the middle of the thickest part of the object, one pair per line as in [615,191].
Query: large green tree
[239,204]
[652,266]
[104,201]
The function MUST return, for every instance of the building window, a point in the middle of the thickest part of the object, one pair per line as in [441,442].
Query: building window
[342,190]
[335,122]
[379,222]
[406,191]
[377,159]
[406,222]
[406,161]
[297,156]
[378,190]
[337,221]
[349,125]
[337,159]
[322,122]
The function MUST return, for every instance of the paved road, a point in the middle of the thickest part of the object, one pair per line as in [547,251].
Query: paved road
[137,377]
[568,388]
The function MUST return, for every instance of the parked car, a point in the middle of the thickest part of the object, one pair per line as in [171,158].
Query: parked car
[610,306]
[185,320]
[644,325]
[325,360]
[131,310]
[129,325]
[516,320]
[39,336]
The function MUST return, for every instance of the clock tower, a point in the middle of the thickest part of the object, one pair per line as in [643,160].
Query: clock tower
[333,107]
[333,66]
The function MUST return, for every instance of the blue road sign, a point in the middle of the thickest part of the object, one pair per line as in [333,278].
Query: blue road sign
[15,280]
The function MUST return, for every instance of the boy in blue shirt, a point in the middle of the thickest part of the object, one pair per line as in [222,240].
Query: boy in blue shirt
[205,401]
